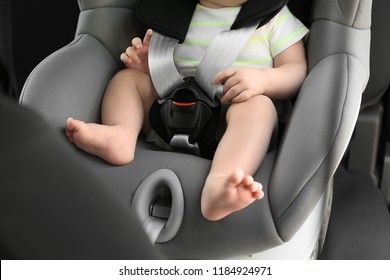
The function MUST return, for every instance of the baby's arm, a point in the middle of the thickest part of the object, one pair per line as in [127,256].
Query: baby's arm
[281,82]
[136,56]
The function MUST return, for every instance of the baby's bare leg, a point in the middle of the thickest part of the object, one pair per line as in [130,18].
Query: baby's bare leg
[125,111]
[229,186]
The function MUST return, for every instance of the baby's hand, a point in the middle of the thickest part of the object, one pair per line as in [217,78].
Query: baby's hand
[240,84]
[136,56]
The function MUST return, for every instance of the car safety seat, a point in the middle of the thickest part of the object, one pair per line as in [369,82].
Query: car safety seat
[164,188]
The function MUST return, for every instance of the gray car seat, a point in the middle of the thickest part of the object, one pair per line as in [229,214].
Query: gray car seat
[164,188]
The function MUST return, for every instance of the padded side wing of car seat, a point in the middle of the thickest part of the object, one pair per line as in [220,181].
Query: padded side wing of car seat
[325,112]
[85,65]
[111,22]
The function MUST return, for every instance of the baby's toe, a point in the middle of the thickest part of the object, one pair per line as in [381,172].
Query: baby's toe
[247,180]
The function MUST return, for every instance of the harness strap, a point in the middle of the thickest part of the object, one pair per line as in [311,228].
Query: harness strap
[161,65]
[221,54]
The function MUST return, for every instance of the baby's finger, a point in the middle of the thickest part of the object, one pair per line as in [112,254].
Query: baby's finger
[224,75]
[136,42]
[231,93]
[243,96]
[125,58]
[148,36]
[132,55]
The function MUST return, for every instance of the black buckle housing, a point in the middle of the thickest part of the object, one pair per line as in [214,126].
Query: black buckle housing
[188,111]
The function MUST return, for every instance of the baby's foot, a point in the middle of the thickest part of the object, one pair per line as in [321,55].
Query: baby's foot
[224,194]
[111,143]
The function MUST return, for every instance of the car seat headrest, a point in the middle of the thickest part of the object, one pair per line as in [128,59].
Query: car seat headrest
[175,19]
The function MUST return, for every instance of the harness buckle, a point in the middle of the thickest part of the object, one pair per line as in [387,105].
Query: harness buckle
[182,118]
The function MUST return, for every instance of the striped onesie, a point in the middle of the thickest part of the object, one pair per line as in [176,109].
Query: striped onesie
[267,41]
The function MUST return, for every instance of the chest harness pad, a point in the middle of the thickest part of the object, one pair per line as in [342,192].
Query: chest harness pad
[187,113]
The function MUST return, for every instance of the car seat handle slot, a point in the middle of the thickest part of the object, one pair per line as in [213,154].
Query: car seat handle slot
[159,204]
[161,208]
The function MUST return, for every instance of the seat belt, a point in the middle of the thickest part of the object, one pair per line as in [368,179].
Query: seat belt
[220,54]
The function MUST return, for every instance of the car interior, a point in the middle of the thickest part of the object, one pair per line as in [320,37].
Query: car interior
[327,181]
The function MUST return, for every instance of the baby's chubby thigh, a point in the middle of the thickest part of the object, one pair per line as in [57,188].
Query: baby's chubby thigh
[258,109]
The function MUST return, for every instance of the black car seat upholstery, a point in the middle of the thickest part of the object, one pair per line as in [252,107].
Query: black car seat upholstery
[297,176]
[8,85]
[30,31]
